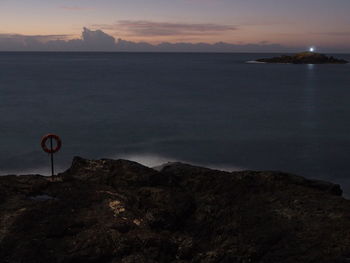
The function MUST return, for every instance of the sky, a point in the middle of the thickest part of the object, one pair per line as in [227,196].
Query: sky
[286,24]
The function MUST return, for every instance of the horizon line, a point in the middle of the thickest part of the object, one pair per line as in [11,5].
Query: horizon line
[164,52]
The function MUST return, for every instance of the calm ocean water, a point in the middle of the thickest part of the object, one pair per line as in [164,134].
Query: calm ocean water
[208,109]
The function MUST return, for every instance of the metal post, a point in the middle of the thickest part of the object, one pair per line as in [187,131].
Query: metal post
[52,169]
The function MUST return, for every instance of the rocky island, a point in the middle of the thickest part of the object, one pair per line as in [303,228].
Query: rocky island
[304,58]
[120,211]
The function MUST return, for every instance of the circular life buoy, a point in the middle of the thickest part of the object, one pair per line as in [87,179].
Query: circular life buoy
[53,137]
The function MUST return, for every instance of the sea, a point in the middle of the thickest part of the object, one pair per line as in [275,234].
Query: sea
[207,109]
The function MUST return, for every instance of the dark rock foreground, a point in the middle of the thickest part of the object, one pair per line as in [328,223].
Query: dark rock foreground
[304,58]
[120,211]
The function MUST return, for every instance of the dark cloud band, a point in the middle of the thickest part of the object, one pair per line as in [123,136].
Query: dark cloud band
[149,28]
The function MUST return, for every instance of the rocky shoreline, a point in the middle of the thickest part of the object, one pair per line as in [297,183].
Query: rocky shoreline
[120,211]
[304,58]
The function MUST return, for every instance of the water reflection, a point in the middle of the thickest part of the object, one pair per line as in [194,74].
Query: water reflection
[310,66]
[310,119]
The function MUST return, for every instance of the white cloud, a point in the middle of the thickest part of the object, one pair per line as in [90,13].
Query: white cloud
[97,40]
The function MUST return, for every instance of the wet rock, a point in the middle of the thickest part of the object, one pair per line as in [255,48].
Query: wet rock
[120,211]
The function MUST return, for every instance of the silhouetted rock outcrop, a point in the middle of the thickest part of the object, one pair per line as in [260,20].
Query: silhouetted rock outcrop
[120,211]
[304,58]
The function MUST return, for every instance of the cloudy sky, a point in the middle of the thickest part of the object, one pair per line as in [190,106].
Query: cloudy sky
[297,24]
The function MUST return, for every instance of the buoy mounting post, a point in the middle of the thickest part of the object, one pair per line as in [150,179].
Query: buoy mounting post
[52,149]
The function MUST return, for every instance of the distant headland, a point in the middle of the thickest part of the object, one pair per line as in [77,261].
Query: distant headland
[304,58]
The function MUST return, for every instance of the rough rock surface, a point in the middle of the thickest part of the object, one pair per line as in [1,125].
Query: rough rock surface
[120,211]
[304,58]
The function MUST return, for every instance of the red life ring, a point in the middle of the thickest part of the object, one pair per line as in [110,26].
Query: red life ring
[54,137]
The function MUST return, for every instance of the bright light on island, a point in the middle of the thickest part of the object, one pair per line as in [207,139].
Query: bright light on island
[312,49]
